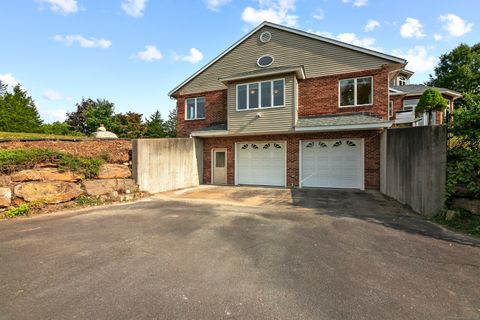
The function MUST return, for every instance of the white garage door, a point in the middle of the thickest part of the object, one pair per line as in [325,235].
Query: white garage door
[261,163]
[332,163]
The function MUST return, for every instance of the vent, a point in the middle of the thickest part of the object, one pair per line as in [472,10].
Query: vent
[265,61]
[265,36]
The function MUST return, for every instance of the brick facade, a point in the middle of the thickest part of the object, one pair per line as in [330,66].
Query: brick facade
[371,161]
[320,96]
[215,112]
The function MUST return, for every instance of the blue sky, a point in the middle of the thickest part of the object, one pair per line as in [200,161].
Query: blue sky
[133,52]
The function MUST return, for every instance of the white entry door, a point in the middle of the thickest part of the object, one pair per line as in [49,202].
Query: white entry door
[219,166]
[332,163]
[261,163]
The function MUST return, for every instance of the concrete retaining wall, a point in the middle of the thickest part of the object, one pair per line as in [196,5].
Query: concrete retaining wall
[413,167]
[167,164]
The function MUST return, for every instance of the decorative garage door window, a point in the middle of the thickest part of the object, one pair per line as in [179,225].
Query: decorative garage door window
[351,143]
[311,144]
[337,144]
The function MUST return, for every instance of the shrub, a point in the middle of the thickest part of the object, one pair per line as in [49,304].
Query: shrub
[19,159]
[88,201]
[20,211]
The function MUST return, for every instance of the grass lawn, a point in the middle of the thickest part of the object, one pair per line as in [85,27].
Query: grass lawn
[22,135]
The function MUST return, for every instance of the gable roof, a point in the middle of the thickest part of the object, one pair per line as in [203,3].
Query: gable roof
[419,89]
[295,31]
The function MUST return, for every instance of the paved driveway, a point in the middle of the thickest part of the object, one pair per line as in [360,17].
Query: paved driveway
[238,253]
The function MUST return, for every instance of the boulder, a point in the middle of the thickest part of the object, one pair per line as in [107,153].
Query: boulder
[114,171]
[49,174]
[5,181]
[48,191]
[5,197]
[99,187]
[472,205]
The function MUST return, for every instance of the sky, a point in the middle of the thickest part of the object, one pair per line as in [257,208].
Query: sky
[133,52]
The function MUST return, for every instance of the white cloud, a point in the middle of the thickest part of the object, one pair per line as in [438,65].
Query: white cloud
[215,5]
[83,42]
[371,25]
[195,56]
[52,115]
[61,6]
[418,58]
[352,38]
[276,11]
[357,3]
[437,37]
[150,54]
[8,79]
[134,8]
[412,28]
[52,95]
[454,25]
[319,14]
[360,3]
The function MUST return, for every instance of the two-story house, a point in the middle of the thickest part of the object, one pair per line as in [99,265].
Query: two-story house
[283,107]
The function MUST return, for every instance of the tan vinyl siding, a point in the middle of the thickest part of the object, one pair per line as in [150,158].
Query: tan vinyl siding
[273,119]
[288,49]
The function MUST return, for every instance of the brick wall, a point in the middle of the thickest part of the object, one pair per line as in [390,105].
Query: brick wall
[320,96]
[372,153]
[397,104]
[215,112]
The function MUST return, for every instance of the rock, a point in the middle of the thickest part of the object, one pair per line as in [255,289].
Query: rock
[462,191]
[48,191]
[49,174]
[472,205]
[5,181]
[99,187]
[450,215]
[5,197]
[102,133]
[114,171]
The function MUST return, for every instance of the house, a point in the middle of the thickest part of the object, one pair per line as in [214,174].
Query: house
[404,98]
[283,107]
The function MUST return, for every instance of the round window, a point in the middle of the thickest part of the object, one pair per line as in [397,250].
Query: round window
[265,61]
[265,37]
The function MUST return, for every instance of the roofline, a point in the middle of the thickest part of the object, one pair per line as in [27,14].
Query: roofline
[346,127]
[446,91]
[296,31]
[299,71]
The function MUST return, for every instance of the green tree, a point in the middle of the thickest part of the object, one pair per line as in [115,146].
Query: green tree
[431,101]
[18,112]
[129,125]
[100,112]
[170,126]
[58,128]
[77,119]
[155,126]
[459,70]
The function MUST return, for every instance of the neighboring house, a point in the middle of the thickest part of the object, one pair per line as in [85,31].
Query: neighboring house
[283,107]
[404,99]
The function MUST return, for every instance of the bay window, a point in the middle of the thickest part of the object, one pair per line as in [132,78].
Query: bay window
[264,94]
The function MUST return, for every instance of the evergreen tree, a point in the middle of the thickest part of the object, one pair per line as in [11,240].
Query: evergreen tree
[17,111]
[170,126]
[155,126]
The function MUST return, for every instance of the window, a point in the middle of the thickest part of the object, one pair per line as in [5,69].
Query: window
[410,104]
[390,109]
[195,108]
[356,92]
[402,81]
[264,94]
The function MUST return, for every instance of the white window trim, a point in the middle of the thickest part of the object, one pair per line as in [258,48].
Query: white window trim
[186,110]
[354,93]
[259,95]
[413,106]
[390,109]
[212,163]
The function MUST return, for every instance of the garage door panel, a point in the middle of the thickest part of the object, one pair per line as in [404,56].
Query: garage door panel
[261,163]
[332,163]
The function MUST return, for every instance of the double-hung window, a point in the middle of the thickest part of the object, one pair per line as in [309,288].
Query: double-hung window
[195,108]
[265,94]
[356,92]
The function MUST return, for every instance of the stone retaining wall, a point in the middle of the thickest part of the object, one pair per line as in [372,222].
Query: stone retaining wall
[47,185]
[115,150]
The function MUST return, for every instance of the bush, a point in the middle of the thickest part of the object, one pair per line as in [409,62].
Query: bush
[58,128]
[19,159]
[88,201]
[20,211]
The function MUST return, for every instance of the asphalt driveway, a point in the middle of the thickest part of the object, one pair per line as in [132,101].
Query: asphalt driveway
[238,253]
